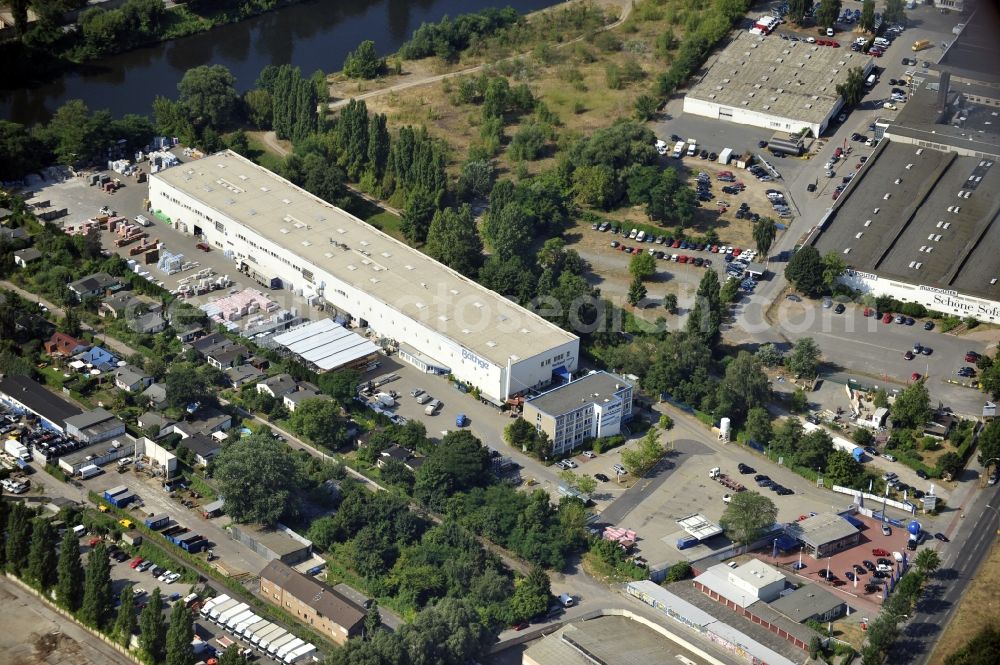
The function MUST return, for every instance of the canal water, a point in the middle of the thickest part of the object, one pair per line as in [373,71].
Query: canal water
[312,35]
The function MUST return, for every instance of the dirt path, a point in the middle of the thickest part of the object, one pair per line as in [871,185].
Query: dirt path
[425,79]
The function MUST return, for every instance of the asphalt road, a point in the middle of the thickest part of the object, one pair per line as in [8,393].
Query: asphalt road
[971,544]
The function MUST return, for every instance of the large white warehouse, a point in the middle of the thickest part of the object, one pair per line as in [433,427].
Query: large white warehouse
[443,321]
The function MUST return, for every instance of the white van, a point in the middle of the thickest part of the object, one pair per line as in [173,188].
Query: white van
[142,220]
[566,600]
[870,81]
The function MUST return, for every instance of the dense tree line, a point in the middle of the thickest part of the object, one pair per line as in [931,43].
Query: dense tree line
[698,43]
[448,37]
[112,30]
[293,99]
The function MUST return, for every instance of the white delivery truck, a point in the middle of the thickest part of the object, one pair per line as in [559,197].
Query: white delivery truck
[678,150]
[89,471]
[239,623]
[725,156]
[300,654]
[254,627]
[16,449]
[212,602]
[224,614]
[234,618]
[268,640]
[692,147]
[264,633]
[288,647]
[280,642]
[221,606]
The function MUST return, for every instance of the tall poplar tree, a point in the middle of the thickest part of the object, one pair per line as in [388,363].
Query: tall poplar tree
[42,554]
[125,622]
[179,636]
[152,630]
[69,585]
[97,595]
[18,538]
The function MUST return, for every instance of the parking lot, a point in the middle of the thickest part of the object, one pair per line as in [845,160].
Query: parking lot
[156,501]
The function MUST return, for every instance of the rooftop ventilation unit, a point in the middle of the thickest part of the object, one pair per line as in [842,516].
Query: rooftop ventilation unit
[868,223]
[946,225]
[860,233]
[939,224]
[957,208]
[847,250]
[913,263]
[875,212]
[967,195]
[898,180]
[920,151]
[917,267]
[909,166]
[887,196]
[961,193]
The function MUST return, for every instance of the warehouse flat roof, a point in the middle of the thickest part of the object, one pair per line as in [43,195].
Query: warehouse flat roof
[590,389]
[914,237]
[778,77]
[371,261]
[959,122]
[326,344]
[36,397]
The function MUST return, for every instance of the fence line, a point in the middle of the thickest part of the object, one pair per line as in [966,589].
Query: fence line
[48,601]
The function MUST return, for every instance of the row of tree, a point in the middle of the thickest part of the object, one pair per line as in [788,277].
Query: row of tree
[34,552]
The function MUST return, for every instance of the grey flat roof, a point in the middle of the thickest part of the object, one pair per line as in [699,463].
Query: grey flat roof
[373,262]
[805,602]
[612,640]
[963,259]
[821,529]
[976,48]
[589,389]
[773,76]
[99,449]
[275,540]
[90,418]
[922,119]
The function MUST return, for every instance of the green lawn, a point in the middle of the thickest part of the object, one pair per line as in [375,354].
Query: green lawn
[387,223]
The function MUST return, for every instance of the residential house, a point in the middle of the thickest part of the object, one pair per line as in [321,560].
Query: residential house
[206,421]
[149,323]
[93,286]
[277,386]
[94,426]
[152,419]
[242,374]
[227,356]
[99,357]
[210,343]
[23,257]
[65,345]
[189,332]
[13,234]
[292,400]
[131,379]
[404,456]
[322,607]
[157,395]
[120,304]
[204,447]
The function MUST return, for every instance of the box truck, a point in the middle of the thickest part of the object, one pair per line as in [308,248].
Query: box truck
[16,449]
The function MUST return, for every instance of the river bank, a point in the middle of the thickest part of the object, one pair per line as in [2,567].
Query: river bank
[309,34]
